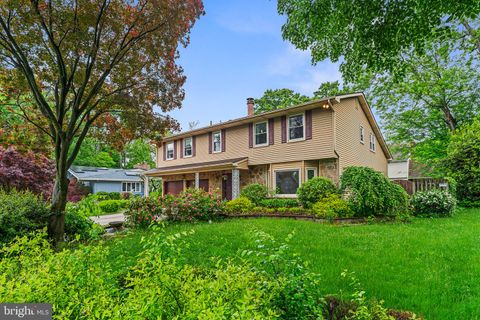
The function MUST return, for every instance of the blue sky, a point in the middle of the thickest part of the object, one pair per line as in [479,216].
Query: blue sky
[237,51]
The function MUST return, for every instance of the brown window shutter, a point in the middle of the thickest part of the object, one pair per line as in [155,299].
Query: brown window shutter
[181,148]
[284,129]
[175,149]
[250,135]
[308,125]
[194,145]
[271,131]
[164,147]
[224,140]
[209,142]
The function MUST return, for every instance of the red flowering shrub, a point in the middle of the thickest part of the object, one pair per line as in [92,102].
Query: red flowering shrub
[76,191]
[143,211]
[26,171]
[194,205]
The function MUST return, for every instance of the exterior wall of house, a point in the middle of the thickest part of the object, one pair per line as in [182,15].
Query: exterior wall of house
[237,145]
[110,186]
[349,116]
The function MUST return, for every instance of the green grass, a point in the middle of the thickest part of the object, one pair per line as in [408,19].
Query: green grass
[430,266]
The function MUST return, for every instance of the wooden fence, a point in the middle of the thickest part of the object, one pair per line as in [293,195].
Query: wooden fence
[422,184]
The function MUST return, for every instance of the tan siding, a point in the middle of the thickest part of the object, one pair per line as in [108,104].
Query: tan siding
[349,116]
[319,147]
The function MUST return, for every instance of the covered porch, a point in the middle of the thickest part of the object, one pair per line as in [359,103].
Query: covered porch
[213,176]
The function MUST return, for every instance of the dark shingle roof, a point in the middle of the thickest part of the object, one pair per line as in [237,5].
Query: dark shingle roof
[106,174]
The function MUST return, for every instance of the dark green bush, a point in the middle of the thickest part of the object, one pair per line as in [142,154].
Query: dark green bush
[20,213]
[433,203]
[112,206]
[372,194]
[239,205]
[255,192]
[78,225]
[313,190]
[104,195]
[332,206]
[279,203]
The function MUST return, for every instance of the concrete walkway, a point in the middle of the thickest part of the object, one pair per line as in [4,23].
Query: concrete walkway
[105,220]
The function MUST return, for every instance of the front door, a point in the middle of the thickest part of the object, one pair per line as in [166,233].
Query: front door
[227,186]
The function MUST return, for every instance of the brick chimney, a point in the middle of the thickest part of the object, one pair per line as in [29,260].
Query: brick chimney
[250,105]
[143,166]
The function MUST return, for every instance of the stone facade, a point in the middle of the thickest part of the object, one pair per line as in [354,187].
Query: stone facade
[255,174]
[329,169]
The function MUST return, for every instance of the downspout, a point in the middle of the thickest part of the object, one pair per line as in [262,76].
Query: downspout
[334,128]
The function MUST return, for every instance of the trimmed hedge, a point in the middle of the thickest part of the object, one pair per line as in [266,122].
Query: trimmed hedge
[239,205]
[332,206]
[279,203]
[314,190]
[433,203]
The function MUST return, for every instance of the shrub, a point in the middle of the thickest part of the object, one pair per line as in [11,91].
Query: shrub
[433,203]
[109,206]
[104,195]
[193,205]
[332,206]
[279,203]
[20,213]
[143,211]
[313,190]
[255,192]
[372,194]
[239,205]
[78,226]
[463,163]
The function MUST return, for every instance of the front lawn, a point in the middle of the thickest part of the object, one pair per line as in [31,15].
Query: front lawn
[431,266]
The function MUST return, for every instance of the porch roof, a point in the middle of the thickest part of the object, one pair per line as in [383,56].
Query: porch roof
[226,164]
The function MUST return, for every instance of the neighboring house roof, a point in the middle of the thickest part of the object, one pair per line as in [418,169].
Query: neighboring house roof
[83,173]
[301,107]
[240,163]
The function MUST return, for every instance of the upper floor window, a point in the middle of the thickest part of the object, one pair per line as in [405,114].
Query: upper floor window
[261,135]
[372,142]
[296,127]
[187,147]
[170,151]
[217,141]
[362,135]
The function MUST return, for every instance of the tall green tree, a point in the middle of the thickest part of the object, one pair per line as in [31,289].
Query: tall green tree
[374,34]
[77,60]
[273,99]
[93,153]
[139,152]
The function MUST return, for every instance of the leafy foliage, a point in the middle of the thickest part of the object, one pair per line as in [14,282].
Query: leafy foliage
[255,192]
[278,99]
[111,206]
[26,171]
[139,152]
[313,190]
[375,34]
[20,212]
[239,205]
[332,206]
[94,153]
[433,203]
[76,191]
[279,203]
[371,193]
[144,211]
[78,226]
[194,205]
[463,163]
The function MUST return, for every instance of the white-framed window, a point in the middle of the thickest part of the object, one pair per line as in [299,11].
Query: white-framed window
[170,151]
[296,127]
[310,173]
[261,134]
[217,141]
[362,135]
[131,187]
[187,147]
[287,182]
[372,142]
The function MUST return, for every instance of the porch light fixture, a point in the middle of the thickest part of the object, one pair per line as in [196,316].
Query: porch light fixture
[325,106]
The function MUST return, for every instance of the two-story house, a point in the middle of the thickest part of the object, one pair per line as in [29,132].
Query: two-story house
[280,149]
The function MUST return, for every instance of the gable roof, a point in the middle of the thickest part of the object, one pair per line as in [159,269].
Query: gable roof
[297,108]
[83,173]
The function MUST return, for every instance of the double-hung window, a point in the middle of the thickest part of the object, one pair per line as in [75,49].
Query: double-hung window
[372,142]
[217,141]
[131,187]
[362,135]
[296,127]
[170,151]
[187,147]
[261,134]
[287,181]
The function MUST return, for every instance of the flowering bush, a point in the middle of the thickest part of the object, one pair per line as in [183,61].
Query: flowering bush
[143,211]
[435,203]
[193,205]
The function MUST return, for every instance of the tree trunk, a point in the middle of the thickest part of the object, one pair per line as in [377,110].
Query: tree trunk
[449,118]
[56,223]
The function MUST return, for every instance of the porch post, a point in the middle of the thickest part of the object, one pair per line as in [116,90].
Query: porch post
[146,186]
[197,180]
[235,183]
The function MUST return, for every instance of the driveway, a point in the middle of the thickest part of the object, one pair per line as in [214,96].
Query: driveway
[105,220]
